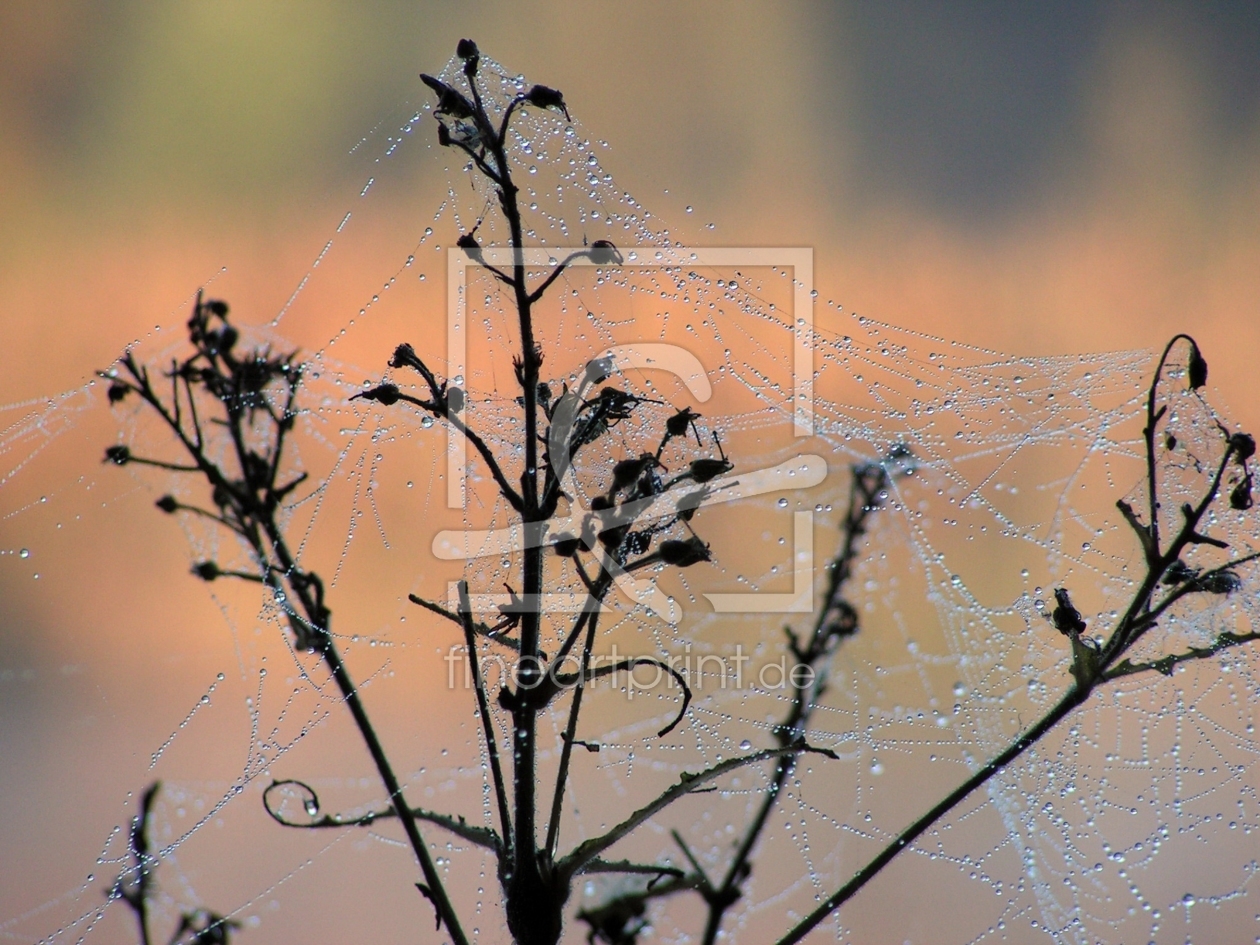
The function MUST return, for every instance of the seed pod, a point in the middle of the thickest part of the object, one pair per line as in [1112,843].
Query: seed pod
[611,538]
[566,545]
[702,470]
[638,542]
[118,455]
[1240,495]
[1066,618]
[1196,369]
[603,252]
[1177,572]
[450,102]
[628,471]
[167,504]
[1243,445]
[544,97]
[468,243]
[683,554]
[455,399]
[117,391]
[404,356]
[386,394]
[1220,582]
[677,424]
[206,570]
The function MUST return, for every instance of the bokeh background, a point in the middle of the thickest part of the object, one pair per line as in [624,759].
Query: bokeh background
[1031,179]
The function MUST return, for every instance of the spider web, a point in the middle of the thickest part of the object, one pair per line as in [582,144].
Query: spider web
[1128,823]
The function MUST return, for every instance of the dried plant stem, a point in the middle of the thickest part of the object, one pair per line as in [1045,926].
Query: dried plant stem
[1074,697]
[1093,665]
[483,710]
[250,508]
[868,482]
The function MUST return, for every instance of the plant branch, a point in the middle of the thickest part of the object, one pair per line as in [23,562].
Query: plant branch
[1092,665]
[482,629]
[570,733]
[239,386]
[1075,696]
[688,783]
[481,836]
[625,866]
[836,620]
[487,722]
[1166,664]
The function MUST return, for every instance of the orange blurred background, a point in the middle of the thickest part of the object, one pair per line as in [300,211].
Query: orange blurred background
[1022,179]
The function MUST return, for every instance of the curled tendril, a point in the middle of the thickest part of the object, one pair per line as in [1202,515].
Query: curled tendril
[310,803]
[629,665]
[480,836]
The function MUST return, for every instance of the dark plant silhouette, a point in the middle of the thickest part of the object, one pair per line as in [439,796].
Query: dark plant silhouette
[621,919]
[1167,582]
[231,409]
[134,886]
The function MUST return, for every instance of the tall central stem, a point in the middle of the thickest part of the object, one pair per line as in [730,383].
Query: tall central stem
[527,879]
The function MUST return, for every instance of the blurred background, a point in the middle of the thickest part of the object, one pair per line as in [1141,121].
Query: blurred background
[1028,178]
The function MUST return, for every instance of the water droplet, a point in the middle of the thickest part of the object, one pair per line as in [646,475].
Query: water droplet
[745,745]
[311,806]
[782,503]
[691,209]
[960,689]
[24,553]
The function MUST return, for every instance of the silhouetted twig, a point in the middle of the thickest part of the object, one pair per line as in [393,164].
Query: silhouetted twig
[247,489]
[1092,664]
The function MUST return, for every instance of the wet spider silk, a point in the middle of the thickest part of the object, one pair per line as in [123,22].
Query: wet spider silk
[1132,819]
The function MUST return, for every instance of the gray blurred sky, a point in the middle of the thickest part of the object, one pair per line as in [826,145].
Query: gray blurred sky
[962,108]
